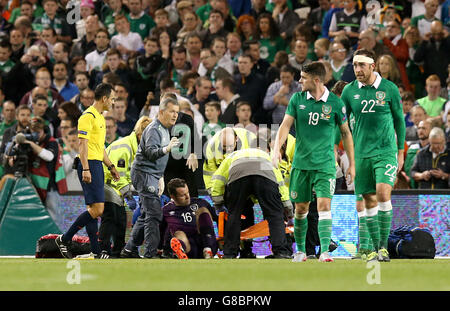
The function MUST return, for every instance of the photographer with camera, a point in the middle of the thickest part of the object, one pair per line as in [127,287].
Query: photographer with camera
[47,171]
[37,154]
[23,116]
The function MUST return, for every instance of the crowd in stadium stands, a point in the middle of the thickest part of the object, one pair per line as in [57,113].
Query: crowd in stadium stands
[232,62]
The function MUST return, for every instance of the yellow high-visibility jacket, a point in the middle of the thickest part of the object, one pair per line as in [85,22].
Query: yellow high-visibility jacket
[121,153]
[244,163]
[285,164]
[215,156]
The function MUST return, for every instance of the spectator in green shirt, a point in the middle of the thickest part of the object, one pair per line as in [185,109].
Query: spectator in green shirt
[53,19]
[303,32]
[423,22]
[140,22]
[204,10]
[269,37]
[6,64]
[115,8]
[433,103]
[8,117]
[5,110]
[212,125]
[30,8]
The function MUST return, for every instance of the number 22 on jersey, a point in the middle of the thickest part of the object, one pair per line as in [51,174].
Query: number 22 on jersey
[368,106]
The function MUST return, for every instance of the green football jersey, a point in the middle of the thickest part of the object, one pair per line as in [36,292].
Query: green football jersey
[422,24]
[316,123]
[378,117]
[141,25]
[203,12]
[7,66]
[109,21]
[268,48]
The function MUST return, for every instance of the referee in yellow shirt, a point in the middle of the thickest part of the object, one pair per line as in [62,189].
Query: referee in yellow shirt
[91,132]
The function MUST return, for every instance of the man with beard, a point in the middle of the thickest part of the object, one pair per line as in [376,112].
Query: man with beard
[379,135]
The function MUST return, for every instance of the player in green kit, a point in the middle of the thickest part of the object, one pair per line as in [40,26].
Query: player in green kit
[379,137]
[317,113]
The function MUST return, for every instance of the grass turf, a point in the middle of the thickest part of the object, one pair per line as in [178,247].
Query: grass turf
[222,275]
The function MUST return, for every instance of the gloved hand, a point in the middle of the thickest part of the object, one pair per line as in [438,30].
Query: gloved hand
[174,142]
[131,203]
[220,208]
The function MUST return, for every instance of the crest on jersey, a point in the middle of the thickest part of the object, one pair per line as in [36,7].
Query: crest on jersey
[325,117]
[344,110]
[326,109]
[142,26]
[194,207]
[294,195]
[380,95]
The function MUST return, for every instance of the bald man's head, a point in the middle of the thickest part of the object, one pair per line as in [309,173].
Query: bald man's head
[228,140]
[437,30]
[367,39]
[38,90]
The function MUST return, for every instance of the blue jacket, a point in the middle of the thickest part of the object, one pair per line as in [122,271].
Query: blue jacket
[327,21]
[68,91]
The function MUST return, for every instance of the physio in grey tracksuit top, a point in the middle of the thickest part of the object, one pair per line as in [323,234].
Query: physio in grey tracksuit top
[147,169]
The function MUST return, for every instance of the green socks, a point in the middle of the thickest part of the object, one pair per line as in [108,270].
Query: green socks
[384,222]
[300,229]
[364,236]
[325,228]
[372,226]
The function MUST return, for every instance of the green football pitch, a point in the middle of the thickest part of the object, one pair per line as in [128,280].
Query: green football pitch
[17,274]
